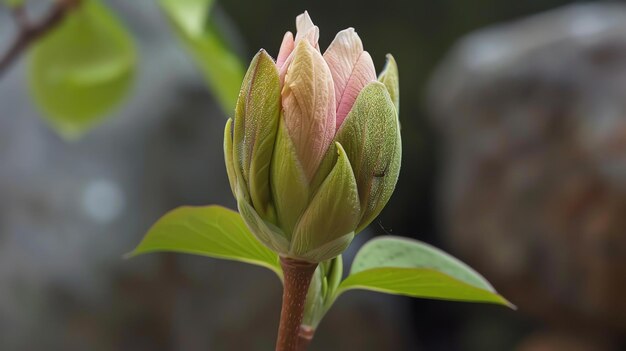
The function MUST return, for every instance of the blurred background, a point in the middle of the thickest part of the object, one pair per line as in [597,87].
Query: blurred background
[514,159]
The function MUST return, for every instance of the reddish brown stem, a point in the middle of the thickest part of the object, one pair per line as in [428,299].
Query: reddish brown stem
[29,32]
[297,278]
[305,336]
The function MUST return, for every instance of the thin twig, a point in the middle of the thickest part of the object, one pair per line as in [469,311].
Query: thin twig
[29,32]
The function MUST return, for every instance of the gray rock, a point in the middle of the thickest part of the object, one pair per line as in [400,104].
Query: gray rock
[532,116]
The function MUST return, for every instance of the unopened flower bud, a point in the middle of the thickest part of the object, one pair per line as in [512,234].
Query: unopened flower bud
[313,153]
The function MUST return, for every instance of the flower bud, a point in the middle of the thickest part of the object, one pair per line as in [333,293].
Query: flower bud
[313,153]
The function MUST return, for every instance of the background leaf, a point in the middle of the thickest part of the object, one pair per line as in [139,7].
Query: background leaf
[212,231]
[189,15]
[408,267]
[222,69]
[81,69]
[13,3]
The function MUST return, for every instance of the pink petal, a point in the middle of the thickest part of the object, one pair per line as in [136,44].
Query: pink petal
[352,69]
[285,49]
[282,71]
[306,30]
[363,74]
[308,100]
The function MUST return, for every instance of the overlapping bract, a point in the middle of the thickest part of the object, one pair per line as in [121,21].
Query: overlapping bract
[313,153]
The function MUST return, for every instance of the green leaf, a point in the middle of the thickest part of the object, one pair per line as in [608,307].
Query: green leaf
[212,231]
[82,69]
[408,267]
[222,69]
[190,15]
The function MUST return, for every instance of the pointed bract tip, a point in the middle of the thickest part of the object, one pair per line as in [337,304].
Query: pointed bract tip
[390,61]
[347,37]
[286,47]
[304,22]
[262,55]
[340,149]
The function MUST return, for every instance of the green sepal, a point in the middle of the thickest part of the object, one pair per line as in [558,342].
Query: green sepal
[326,227]
[228,156]
[389,77]
[322,291]
[290,187]
[371,137]
[256,122]
[325,167]
[315,299]
[334,273]
[267,233]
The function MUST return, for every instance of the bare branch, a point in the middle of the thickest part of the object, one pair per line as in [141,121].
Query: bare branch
[29,32]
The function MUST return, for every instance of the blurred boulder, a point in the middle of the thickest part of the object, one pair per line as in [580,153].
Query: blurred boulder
[532,119]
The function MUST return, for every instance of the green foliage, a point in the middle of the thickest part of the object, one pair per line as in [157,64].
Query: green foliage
[212,231]
[222,69]
[389,264]
[190,15]
[81,69]
[392,265]
[418,282]
[408,267]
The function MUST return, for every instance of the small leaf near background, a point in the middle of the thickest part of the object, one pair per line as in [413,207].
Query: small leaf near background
[82,69]
[13,3]
[221,67]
